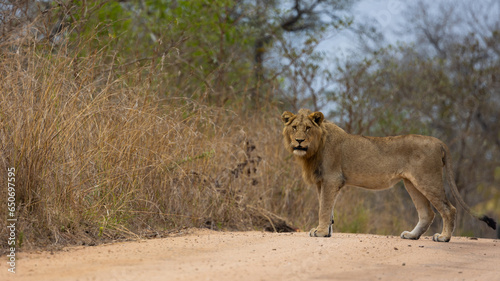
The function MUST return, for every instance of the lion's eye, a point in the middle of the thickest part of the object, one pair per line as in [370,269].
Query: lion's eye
[294,128]
[308,128]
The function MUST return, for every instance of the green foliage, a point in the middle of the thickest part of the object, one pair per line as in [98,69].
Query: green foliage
[218,45]
[99,22]
[211,46]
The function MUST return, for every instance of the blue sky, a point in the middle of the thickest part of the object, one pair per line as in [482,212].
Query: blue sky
[385,15]
[390,16]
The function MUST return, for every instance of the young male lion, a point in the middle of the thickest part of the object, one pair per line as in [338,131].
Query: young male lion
[331,159]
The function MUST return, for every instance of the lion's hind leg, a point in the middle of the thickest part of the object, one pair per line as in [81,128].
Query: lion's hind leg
[432,188]
[425,212]
[448,213]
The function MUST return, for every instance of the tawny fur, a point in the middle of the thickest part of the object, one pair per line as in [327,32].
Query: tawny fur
[331,159]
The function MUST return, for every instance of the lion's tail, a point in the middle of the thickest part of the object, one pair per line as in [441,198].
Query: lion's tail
[451,180]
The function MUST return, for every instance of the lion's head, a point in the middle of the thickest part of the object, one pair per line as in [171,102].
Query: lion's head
[303,133]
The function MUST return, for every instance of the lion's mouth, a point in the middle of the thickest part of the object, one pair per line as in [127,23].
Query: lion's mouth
[300,151]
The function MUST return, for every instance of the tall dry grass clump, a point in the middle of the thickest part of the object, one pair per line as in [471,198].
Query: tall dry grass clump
[99,154]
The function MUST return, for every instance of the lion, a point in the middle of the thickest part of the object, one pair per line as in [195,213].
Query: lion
[331,159]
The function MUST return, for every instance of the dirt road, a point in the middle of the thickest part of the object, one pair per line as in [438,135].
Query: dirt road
[209,255]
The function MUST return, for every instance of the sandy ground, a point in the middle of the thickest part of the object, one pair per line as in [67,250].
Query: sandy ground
[209,255]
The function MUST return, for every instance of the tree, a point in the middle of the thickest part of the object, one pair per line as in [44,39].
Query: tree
[290,31]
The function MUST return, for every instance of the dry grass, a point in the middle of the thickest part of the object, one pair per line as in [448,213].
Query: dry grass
[101,155]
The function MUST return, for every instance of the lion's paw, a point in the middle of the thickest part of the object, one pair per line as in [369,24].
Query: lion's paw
[440,238]
[317,233]
[409,235]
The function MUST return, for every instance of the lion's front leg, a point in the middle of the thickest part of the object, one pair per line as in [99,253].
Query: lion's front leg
[328,193]
[315,233]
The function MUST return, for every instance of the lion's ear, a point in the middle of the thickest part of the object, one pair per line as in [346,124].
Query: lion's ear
[317,117]
[287,116]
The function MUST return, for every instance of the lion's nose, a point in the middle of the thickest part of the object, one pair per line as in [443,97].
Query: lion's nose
[300,140]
